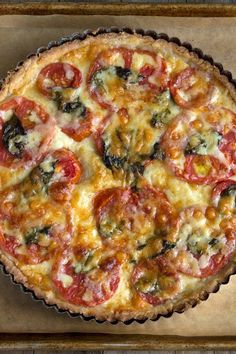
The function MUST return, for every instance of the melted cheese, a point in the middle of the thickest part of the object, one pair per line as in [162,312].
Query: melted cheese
[131,136]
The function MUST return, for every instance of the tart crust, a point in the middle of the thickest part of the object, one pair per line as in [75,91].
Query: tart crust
[15,80]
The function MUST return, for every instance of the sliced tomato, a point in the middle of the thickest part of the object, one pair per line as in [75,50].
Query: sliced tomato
[58,75]
[80,128]
[30,252]
[198,149]
[126,81]
[58,173]
[203,247]
[156,281]
[154,74]
[224,188]
[191,88]
[26,119]
[85,288]
[126,217]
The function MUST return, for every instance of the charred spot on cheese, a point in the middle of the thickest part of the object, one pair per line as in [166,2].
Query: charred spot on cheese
[33,237]
[202,144]
[14,136]
[158,153]
[75,106]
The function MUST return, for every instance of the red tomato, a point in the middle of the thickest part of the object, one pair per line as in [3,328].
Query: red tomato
[32,254]
[66,172]
[122,214]
[153,76]
[192,83]
[191,162]
[201,255]
[156,281]
[80,128]
[86,289]
[220,188]
[62,75]
[22,108]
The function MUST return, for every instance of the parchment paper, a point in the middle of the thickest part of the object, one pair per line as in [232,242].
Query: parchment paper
[21,35]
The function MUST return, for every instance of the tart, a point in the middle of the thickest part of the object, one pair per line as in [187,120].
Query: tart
[118,176]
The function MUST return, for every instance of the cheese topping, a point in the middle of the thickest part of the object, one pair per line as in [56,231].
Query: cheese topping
[116,213]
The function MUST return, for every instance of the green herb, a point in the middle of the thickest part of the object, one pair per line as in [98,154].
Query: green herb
[213,242]
[157,153]
[74,106]
[160,118]
[14,136]
[34,235]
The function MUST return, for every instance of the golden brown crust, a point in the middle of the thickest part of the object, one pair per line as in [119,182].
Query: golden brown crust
[30,68]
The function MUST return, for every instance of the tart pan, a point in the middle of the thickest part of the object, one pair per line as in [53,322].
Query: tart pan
[203,296]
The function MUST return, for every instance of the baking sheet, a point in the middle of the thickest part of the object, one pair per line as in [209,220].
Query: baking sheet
[21,35]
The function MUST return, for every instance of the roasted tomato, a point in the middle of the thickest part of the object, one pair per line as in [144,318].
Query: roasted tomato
[138,220]
[203,244]
[85,286]
[156,281]
[57,174]
[26,131]
[199,148]
[56,76]
[36,246]
[59,81]
[120,76]
[191,88]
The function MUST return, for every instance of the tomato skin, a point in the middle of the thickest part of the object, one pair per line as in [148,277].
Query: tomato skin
[219,188]
[190,175]
[101,285]
[57,74]
[173,140]
[169,284]
[34,253]
[22,106]
[183,80]
[102,61]
[83,130]
[190,264]
[70,169]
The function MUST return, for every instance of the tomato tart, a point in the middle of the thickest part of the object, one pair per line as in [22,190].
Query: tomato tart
[118,176]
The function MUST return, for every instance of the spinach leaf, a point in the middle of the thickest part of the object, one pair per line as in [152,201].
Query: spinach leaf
[14,136]
[157,153]
[33,236]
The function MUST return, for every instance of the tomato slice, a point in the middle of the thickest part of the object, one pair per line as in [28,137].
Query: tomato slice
[190,88]
[203,244]
[40,244]
[58,75]
[57,173]
[117,78]
[129,218]
[26,136]
[156,281]
[59,81]
[199,149]
[85,288]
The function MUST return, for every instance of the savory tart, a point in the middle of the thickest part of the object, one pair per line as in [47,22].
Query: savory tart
[118,177]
